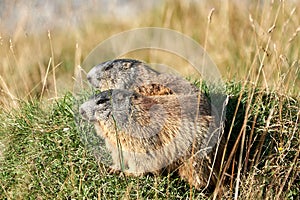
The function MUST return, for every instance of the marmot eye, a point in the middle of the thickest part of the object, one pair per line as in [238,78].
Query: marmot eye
[102,100]
[135,96]
[108,67]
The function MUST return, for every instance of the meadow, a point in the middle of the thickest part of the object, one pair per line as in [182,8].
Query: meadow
[255,45]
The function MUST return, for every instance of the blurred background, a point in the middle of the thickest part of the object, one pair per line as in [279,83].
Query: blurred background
[42,43]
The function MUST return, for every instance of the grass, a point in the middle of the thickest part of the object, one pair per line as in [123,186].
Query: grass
[256,48]
[45,156]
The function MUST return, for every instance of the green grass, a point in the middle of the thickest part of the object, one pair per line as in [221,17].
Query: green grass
[45,156]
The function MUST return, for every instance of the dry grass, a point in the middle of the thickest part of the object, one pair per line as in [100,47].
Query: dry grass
[258,41]
[254,43]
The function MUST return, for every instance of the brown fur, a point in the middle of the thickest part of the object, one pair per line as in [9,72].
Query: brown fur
[152,141]
[179,99]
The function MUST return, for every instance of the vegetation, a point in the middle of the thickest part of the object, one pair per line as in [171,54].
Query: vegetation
[45,155]
[254,45]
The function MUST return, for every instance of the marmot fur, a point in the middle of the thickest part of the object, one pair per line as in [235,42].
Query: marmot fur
[156,132]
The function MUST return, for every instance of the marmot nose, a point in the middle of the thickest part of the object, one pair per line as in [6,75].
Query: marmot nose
[83,113]
[89,78]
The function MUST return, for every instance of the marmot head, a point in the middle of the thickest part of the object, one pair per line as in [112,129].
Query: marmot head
[108,104]
[119,74]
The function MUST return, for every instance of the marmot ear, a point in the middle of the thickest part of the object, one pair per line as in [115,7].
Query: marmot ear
[126,65]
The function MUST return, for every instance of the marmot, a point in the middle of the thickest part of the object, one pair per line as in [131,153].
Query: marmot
[157,132]
[132,74]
